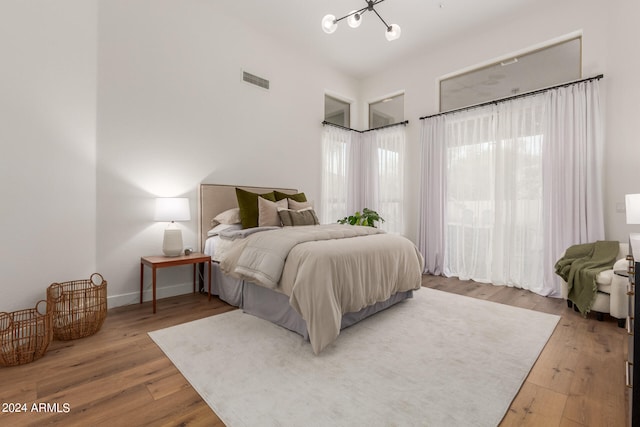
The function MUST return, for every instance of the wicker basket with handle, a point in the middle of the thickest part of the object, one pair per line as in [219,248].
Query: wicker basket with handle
[25,335]
[78,307]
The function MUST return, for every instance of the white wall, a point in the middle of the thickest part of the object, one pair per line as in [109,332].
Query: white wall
[163,79]
[609,41]
[623,140]
[173,112]
[47,139]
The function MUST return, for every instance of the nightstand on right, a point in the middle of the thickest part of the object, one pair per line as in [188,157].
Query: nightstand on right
[633,356]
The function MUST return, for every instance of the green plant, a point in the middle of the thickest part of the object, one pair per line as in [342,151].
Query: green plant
[368,217]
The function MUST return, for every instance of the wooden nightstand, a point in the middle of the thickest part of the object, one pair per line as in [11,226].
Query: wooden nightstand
[159,261]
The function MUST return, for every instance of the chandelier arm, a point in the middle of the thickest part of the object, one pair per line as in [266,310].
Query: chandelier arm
[383,21]
[353,13]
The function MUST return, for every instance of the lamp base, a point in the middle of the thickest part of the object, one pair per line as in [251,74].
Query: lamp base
[172,243]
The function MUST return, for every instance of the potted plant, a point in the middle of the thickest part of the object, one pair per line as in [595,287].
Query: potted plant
[367,217]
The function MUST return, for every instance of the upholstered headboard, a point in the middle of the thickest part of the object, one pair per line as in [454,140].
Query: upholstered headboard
[214,199]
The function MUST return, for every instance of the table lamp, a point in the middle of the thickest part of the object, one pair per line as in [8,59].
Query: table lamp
[172,209]
[632,206]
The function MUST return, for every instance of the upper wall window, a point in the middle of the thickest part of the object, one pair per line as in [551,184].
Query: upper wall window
[549,66]
[337,111]
[386,112]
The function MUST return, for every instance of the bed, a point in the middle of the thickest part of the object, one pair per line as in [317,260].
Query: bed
[312,279]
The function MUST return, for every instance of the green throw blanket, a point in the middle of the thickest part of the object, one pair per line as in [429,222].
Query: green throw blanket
[579,267]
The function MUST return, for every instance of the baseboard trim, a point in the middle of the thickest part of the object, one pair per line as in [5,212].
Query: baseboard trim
[163,292]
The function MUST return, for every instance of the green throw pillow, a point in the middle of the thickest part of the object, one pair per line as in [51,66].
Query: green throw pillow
[300,197]
[248,204]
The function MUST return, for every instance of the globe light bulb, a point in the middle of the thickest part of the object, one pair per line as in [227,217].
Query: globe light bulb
[329,24]
[354,20]
[393,32]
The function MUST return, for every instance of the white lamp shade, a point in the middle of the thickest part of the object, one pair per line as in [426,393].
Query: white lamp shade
[354,20]
[329,24]
[172,209]
[393,33]
[632,206]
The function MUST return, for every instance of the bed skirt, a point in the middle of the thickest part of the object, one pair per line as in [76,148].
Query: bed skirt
[274,306]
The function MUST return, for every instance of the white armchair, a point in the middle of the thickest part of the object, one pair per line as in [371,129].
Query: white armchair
[612,290]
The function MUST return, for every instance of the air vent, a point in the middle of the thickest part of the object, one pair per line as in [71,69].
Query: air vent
[255,80]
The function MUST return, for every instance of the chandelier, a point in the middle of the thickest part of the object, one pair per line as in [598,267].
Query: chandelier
[354,18]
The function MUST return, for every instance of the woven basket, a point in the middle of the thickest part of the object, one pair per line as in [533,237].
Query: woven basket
[25,336]
[78,307]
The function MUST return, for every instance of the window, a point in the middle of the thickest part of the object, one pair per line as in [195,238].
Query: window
[549,66]
[363,170]
[386,112]
[335,167]
[494,195]
[388,174]
[337,111]
[497,203]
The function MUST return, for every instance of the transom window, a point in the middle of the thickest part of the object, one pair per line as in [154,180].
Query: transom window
[337,111]
[387,111]
[541,68]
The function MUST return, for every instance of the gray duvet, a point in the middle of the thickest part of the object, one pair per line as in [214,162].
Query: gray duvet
[327,270]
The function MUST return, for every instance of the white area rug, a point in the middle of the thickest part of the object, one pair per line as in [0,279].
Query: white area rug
[438,359]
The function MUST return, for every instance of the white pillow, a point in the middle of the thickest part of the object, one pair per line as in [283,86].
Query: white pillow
[296,206]
[221,227]
[268,212]
[230,216]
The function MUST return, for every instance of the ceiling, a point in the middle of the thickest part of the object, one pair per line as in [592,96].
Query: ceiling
[364,51]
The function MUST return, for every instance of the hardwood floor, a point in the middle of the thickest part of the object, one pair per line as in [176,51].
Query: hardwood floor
[120,377]
[579,378]
[117,377]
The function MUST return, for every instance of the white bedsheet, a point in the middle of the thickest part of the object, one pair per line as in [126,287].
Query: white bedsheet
[210,245]
[217,247]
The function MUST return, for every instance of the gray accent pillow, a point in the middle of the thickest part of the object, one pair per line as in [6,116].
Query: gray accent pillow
[302,217]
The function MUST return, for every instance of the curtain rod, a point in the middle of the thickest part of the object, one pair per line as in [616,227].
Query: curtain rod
[368,130]
[509,98]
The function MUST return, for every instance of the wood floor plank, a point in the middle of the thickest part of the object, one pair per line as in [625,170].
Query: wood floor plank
[100,367]
[535,406]
[202,416]
[165,386]
[108,410]
[186,400]
[20,391]
[555,367]
[593,398]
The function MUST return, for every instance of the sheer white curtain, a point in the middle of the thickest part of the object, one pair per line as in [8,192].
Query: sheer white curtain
[573,161]
[364,170]
[506,188]
[336,145]
[387,160]
[433,190]
[360,188]
[470,197]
